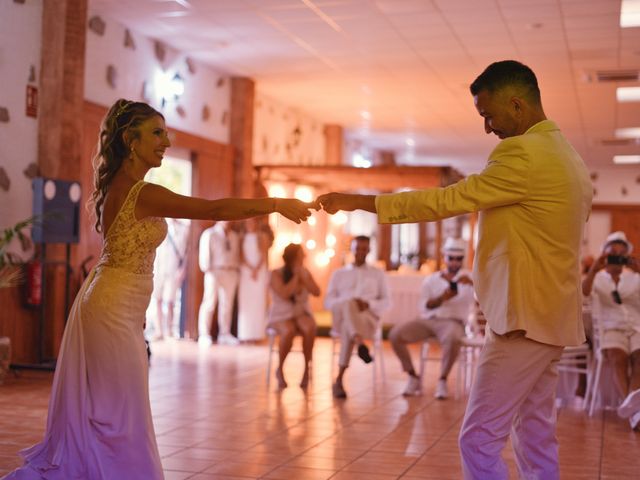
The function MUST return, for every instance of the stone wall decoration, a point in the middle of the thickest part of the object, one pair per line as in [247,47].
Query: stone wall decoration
[225,117]
[32,74]
[206,113]
[129,42]
[594,176]
[181,111]
[21,2]
[638,179]
[190,65]
[112,76]
[624,191]
[160,51]
[32,171]
[4,115]
[220,82]
[97,25]
[5,183]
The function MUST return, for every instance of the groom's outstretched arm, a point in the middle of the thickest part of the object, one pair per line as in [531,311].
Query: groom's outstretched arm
[332,202]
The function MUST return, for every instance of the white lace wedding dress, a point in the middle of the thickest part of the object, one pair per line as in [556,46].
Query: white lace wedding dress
[99,425]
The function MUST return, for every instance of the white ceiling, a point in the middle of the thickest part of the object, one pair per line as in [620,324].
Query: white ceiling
[409,63]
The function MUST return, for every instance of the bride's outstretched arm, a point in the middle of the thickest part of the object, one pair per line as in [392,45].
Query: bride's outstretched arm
[157,201]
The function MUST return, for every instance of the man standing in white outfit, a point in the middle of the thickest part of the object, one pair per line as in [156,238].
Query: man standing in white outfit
[357,295]
[219,259]
[446,301]
[534,197]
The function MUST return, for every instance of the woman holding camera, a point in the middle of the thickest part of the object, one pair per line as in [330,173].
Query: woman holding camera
[614,282]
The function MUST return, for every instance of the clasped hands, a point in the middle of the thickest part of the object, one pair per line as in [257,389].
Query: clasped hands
[298,211]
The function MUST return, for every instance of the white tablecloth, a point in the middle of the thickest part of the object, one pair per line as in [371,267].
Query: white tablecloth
[405,295]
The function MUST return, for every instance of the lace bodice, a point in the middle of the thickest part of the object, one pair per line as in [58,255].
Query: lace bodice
[131,244]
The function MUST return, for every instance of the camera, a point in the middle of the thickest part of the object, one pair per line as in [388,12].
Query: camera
[617,260]
[453,286]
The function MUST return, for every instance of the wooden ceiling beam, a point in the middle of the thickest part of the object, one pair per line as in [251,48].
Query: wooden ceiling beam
[345,178]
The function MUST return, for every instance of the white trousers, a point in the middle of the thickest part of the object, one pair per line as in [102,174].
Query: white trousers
[348,321]
[513,393]
[220,286]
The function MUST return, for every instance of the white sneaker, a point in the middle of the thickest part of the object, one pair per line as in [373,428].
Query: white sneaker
[414,387]
[227,339]
[204,341]
[442,391]
[630,405]
[634,421]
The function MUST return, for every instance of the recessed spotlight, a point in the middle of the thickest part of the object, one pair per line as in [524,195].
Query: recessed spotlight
[628,132]
[628,94]
[410,142]
[630,13]
[626,159]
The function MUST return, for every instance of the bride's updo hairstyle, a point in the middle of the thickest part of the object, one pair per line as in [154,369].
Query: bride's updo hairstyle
[119,128]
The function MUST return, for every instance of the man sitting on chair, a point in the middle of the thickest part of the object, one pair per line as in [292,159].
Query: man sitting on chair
[446,301]
[357,295]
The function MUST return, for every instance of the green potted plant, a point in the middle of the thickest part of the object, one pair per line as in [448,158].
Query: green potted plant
[10,273]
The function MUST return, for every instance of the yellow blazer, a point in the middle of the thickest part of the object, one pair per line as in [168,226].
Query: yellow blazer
[535,197]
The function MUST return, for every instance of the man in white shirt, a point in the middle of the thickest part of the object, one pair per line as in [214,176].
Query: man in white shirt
[614,283]
[219,259]
[357,295]
[446,301]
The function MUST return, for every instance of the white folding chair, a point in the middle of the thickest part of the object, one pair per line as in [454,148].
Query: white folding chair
[579,360]
[378,349]
[597,362]
[272,337]
[466,362]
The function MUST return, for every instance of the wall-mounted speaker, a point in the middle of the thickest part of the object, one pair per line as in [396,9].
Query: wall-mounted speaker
[57,204]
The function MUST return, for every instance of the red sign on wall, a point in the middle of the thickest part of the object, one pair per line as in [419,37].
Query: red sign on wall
[32,101]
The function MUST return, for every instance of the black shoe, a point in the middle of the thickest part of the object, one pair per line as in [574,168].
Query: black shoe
[338,391]
[363,353]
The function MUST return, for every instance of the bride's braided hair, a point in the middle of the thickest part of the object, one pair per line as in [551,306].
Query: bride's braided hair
[119,128]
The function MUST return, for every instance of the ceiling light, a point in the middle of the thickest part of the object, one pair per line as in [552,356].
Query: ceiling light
[303,193]
[630,13]
[626,159]
[321,259]
[628,132]
[366,115]
[277,190]
[169,87]
[410,142]
[360,161]
[628,94]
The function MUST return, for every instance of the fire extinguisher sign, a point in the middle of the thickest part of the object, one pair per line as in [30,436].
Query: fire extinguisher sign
[32,101]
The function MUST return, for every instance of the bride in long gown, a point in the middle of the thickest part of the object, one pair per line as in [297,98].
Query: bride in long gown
[99,425]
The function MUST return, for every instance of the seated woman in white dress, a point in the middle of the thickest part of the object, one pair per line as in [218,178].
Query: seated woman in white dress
[290,313]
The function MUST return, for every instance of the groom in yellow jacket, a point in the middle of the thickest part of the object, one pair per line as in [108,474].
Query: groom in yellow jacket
[534,197]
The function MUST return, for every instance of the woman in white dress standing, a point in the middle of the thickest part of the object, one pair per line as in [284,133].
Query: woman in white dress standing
[254,277]
[99,425]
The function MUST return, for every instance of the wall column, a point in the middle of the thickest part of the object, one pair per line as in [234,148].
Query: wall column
[61,93]
[241,134]
[333,142]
